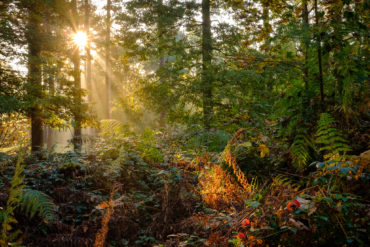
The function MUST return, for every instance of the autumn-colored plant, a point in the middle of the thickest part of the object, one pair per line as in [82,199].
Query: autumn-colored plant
[246,222]
[246,237]
[107,211]
[10,236]
[293,204]
[220,190]
[14,130]
[241,235]
[230,158]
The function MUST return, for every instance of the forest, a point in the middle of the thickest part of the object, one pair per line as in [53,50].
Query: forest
[174,123]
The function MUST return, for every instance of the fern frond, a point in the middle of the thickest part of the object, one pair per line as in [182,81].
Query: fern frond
[285,181]
[110,126]
[300,150]
[254,184]
[331,140]
[7,235]
[110,123]
[34,201]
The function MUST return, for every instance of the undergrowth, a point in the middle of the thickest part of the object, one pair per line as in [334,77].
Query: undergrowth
[147,189]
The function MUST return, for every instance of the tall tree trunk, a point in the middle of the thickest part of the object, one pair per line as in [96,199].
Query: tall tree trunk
[266,30]
[91,131]
[319,55]
[51,84]
[338,42]
[206,63]
[77,140]
[266,24]
[49,75]
[34,77]
[161,27]
[88,50]
[107,60]
[306,42]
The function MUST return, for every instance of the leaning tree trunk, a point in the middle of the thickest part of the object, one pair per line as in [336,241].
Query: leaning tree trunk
[206,64]
[34,78]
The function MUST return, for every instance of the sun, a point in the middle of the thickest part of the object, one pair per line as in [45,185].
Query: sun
[80,39]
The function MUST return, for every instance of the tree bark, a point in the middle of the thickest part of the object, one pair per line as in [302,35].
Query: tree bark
[319,55]
[49,75]
[266,24]
[77,140]
[90,130]
[306,42]
[338,41]
[161,27]
[107,60]
[34,78]
[206,64]
[88,50]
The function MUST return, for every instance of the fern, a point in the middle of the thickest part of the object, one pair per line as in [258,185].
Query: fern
[285,181]
[34,201]
[254,184]
[300,150]
[111,127]
[9,237]
[331,141]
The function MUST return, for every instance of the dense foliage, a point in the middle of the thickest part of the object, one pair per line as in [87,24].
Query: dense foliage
[184,123]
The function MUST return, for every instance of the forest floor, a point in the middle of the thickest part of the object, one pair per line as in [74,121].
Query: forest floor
[148,191]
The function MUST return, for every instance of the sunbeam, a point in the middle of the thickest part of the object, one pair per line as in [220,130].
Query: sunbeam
[80,39]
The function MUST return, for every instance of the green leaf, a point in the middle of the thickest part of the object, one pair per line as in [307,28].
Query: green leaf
[332,168]
[344,170]
[254,204]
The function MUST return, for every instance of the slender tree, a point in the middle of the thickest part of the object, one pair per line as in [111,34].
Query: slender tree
[266,24]
[319,54]
[206,64]
[161,29]
[306,40]
[34,75]
[77,140]
[88,49]
[107,59]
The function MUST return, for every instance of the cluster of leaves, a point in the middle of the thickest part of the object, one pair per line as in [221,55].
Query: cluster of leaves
[14,131]
[12,91]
